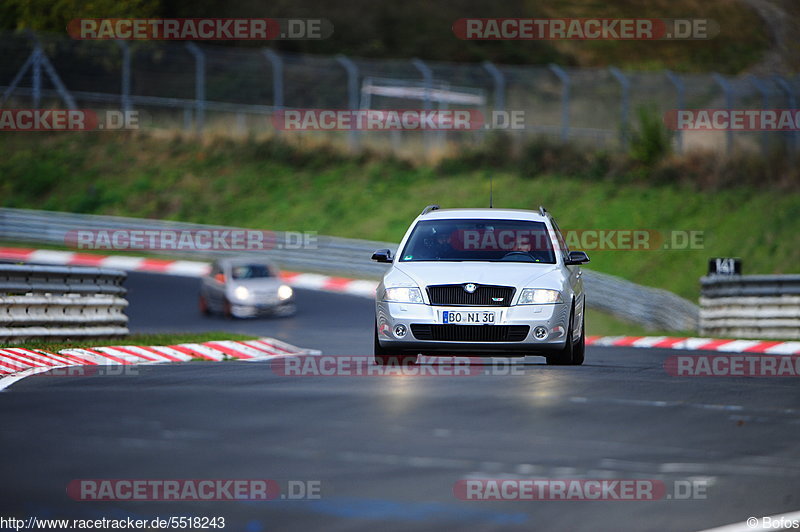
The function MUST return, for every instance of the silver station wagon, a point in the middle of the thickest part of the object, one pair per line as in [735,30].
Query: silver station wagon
[481,282]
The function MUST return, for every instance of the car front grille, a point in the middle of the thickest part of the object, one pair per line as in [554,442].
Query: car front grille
[483,296]
[470,333]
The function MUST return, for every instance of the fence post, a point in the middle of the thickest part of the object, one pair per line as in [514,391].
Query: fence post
[277,80]
[499,85]
[427,76]
[37,76]
[764,105]
[125,94]
[791,136]
[40,61]
[352,94]
[625,84]
[277,77]
[199,84]
[565,86]
[681,90]
[35,62]
[728,92]
[18,77]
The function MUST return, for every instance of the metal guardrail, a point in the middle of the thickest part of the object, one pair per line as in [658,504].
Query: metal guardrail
[332,255]
[653,308]
[756,306]
[61,302]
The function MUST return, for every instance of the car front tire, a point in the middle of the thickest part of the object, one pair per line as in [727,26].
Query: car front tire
[573,353]
[203,306]
[579,350]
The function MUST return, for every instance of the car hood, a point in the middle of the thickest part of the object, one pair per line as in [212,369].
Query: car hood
[518,274]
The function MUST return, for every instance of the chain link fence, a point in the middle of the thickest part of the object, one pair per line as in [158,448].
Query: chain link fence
[230,90]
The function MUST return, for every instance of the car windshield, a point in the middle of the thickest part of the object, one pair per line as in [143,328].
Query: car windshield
[479,240]
[250,271]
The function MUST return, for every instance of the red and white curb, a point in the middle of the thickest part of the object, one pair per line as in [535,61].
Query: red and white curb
[17,362]
[184,268]
[698,344]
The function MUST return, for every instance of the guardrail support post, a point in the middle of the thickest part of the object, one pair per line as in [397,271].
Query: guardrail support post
[624,111]
[728,92]
[562,75]
[681,102]
[199,85]
[352,94]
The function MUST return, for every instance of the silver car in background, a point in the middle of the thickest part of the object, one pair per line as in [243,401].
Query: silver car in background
[481,282]
[245,287]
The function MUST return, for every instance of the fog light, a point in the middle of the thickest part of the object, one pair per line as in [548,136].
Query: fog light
[400,331]
[540,333]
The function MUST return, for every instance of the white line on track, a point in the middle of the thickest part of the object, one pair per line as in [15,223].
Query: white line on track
[5,382]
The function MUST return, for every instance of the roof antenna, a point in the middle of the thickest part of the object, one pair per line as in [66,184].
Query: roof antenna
[491,192]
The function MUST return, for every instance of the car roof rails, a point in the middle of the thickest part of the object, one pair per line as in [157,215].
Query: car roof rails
[429,208]
[542,211]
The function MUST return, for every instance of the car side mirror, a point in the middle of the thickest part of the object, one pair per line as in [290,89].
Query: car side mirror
[577,257]
[220,278]
[382,255]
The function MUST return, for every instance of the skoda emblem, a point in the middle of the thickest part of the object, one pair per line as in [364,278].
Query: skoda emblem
[470,288]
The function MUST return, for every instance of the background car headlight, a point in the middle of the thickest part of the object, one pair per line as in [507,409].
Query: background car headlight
[241,292]
[285,292]
[539,296]
[403,295]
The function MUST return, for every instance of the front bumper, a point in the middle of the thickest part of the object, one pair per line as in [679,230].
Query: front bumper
[554,318]
[252,309]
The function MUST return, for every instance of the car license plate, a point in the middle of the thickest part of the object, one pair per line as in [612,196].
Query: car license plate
[468,318]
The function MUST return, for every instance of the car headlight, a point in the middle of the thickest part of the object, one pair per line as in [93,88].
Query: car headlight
[403,294]
[539,296]
[285,292]
[241,292]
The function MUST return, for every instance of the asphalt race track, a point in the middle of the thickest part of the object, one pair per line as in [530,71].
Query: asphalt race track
[387,451]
